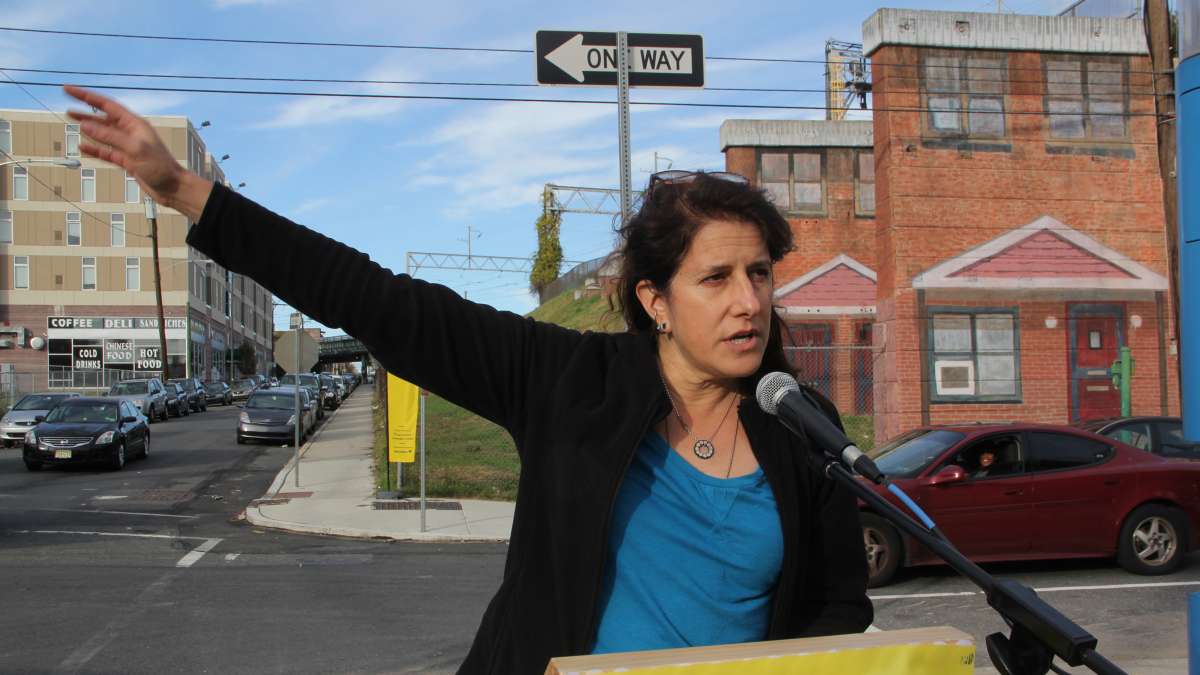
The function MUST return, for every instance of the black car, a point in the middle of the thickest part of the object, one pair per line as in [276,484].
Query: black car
[90,430]
[329,391]
[177,400]
[197,401]
[1157,434]
[218,392]
[243,388]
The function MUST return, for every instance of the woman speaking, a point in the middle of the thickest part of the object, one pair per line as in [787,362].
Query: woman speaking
[657,506]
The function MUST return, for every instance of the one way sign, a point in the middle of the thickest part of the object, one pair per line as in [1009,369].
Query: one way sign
[655,59]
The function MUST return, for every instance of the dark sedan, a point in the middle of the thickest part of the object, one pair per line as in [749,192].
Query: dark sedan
[88,430]
[218,392]
[194,389]
[270,415]
[243,388]
[1160,435]
[1031,491]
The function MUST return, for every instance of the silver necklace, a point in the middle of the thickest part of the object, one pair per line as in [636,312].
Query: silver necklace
[703,448]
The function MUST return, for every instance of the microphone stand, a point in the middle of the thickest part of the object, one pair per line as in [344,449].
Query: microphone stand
[1039,631]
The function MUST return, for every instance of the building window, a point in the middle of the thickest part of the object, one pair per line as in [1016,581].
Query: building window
[974,355]
[20,183]
[133,274]
[72,143]
[6,137]
[864,183]
[132,191]
[6,227]
[117,229]
[89,274]
[21,272]
[1085,97]
[74,228]
[87,178]
[794,180]
[964,95]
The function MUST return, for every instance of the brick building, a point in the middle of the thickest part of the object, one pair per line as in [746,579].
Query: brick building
[77,301]
[1018,238]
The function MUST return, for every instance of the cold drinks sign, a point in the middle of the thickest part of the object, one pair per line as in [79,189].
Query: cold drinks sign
[584,58]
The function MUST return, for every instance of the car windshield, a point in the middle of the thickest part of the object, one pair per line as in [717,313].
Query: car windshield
[83,413]
[908,455]
[189,385]
[128,388]
[273,401]
[245,383]
[39,402]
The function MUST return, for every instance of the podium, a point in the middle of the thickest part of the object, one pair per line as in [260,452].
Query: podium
[939,650]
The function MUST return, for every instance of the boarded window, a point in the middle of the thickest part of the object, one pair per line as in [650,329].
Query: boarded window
[975,356]
[964,96]
[1085,97]
[793,180]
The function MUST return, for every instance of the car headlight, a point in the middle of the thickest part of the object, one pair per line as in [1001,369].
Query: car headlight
[31,437]
[292,419]
[244,418]
[105,438]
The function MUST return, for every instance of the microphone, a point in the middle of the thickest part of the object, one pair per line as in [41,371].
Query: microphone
[779,394]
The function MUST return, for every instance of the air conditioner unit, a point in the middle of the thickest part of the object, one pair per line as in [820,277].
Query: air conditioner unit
[955,378]
[6,344]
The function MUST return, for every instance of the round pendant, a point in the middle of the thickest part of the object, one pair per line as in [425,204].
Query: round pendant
[703,449]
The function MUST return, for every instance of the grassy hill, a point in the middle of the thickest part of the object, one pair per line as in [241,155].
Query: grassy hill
[587,313]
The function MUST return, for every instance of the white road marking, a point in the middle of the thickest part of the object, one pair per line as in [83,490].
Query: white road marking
[86,651]
[120,513]
[873,629]
[1048,589]
[230,557]
[197,553]
[105,497]
[109,534]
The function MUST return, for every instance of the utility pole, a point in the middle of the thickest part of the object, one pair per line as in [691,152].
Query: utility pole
[152,216]
[1158,30]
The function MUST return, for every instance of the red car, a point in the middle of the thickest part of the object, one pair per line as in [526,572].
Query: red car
[1035,491]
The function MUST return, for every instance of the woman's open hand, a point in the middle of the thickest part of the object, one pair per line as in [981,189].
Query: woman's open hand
[123,138]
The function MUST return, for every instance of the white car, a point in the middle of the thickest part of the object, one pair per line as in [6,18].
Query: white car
[22,417]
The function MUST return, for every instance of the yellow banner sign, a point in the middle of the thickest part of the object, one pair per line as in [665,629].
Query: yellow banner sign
[404,400]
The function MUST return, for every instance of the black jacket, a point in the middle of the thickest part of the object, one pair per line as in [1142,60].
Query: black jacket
[576,404]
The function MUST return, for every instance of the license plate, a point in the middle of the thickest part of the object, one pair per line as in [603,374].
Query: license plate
[62,454]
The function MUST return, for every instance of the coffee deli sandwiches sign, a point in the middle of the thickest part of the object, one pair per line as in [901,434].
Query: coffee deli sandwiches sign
[99,342]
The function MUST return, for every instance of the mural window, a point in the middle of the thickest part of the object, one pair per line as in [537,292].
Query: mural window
[20,183]
[6,227]
[133,274]
[74,228]
[72,140]
[964,95]
[132,190]
[21,272]
[794,180]
[6,137]
[89,273]
[117,229]
[974,355]
[1085,97]
[864,183]
[87,185]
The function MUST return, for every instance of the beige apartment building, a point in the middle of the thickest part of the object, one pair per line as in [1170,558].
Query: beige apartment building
[77,301]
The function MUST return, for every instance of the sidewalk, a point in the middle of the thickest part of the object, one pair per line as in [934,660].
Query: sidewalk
[336,492]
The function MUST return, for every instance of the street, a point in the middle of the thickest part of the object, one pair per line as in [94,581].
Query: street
[148,570]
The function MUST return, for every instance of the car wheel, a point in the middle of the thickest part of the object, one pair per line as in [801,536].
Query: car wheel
[883,549]
[1153,540]
[240,440]
[118,459]
[33,466]
[146,447]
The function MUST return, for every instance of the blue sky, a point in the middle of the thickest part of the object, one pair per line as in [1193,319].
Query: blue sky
[389,176]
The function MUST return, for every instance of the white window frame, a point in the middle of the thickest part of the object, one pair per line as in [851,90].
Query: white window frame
[6,226]
[86,175]
[20,186]
[75,220]
[20,261]
[132,184]
[6,137]
[133,264]
[116,229]
[85,266]
[71,132]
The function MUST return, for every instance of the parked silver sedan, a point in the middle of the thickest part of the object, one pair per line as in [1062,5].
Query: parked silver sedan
[20,418]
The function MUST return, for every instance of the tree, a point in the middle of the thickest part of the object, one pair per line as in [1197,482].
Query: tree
[247,360]
[549,254]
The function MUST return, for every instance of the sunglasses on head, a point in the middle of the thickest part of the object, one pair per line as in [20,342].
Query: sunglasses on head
[679,176]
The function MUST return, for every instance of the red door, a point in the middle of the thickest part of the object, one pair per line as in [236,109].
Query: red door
[1095,347]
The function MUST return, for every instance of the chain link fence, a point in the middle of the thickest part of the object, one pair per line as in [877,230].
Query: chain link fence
[845,374]
[15,384]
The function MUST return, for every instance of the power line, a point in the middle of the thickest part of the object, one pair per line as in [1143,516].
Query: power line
[369,45]
[508,99]
[316,80]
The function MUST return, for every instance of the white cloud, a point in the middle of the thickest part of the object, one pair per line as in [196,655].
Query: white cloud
[150,102]
[310,205]
[311,111]
[226,4]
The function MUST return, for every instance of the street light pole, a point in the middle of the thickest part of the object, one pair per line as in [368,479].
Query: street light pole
[69,163]
[152,216]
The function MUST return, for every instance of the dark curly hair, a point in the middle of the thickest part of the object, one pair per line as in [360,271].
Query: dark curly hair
[654,241]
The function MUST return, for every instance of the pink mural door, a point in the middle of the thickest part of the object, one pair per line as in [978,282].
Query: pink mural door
[1095,339]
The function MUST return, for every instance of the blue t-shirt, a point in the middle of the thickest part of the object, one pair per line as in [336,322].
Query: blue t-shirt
[692,560]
